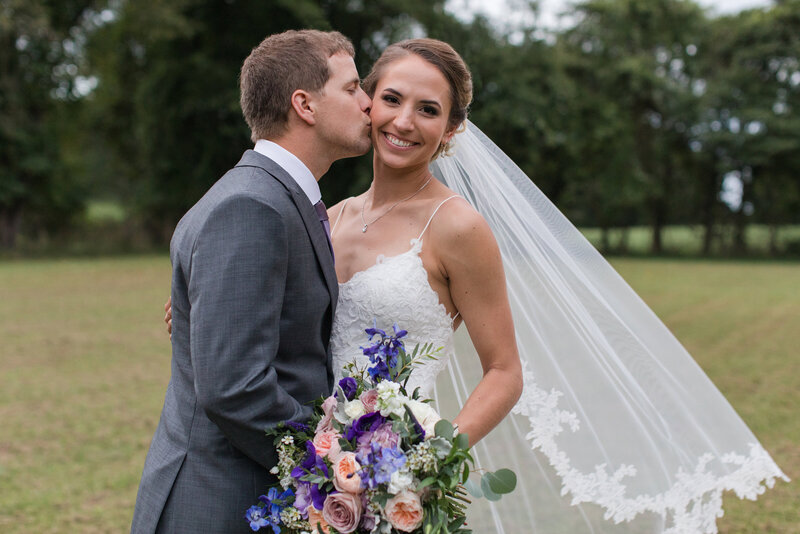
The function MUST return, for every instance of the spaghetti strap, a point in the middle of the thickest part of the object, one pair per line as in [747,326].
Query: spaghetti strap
[434,213]
[338,217]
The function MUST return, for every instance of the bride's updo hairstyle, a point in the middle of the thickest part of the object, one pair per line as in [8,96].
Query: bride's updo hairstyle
[442,56]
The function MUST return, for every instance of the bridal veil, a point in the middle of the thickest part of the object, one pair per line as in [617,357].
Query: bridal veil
[618,430]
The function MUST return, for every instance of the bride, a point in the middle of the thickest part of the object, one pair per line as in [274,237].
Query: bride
[616,428]
[609,424]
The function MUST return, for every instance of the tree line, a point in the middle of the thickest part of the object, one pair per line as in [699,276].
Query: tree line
[639,112]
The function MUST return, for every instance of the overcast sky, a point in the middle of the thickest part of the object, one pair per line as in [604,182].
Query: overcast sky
[550,9]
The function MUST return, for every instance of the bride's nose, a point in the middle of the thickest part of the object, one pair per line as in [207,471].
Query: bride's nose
[404,119]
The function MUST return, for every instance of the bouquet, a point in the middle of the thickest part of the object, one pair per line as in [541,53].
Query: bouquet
[374,458]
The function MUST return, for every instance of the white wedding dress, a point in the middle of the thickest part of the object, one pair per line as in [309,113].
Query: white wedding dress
[618,431]
[393,291]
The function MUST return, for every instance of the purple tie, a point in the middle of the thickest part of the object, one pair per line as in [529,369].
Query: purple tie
[322,212]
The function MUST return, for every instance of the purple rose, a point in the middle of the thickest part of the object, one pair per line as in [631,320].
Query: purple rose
[366,423]
[349,386]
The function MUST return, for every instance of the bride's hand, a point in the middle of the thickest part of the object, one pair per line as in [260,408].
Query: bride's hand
[168,316]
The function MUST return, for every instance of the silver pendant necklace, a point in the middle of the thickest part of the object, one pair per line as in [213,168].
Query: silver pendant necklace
[366,224]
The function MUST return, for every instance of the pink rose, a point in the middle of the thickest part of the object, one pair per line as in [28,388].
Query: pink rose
[323,441]
[342,511]
[334,451]
[404,511]
[345,473]
[327,409]
[369,399]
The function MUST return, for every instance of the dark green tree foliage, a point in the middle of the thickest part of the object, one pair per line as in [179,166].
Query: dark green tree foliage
[635,115]
[172,94]
[630,63]
[37,174]
[750,128]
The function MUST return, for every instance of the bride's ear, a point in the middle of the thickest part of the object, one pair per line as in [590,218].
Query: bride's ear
[448,135]
[303,106]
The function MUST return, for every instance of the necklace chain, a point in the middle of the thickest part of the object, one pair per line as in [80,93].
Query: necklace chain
[366,224]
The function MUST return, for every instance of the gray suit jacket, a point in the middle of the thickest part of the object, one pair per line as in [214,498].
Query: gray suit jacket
[253,296]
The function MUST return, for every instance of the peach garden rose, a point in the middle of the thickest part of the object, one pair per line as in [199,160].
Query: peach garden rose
[315,518]
[345,472]
[404,511]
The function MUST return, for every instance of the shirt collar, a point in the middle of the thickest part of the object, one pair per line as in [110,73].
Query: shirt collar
[293,166]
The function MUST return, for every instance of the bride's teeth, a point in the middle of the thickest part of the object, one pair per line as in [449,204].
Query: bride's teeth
[397,142]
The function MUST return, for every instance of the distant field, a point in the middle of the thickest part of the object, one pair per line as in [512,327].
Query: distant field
[84,363]
[688,240]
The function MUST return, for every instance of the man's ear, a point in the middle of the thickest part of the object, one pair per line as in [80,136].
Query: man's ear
[302,105]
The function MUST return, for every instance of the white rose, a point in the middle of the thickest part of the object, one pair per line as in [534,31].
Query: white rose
[354,409]
[425,415]
[390,400]
[401,480]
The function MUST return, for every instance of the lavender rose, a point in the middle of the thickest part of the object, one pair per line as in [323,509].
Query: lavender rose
[342,511]
[383,435]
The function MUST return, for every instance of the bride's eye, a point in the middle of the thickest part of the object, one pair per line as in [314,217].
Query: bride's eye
[430,110]
[391,99]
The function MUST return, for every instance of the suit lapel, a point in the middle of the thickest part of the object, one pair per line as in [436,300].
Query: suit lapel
[316,232]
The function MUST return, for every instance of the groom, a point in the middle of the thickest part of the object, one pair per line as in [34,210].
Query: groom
[254,290]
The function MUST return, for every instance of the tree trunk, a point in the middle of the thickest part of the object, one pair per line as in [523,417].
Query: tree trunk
[605,242]
[10,222]
[657,247]
[708,210]
[773,239]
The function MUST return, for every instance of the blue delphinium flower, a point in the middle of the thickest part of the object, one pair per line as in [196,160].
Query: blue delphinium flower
[391,460]
[257,517]
[300,427]
[383,352]
[349,386]
[379,370]
[378,465]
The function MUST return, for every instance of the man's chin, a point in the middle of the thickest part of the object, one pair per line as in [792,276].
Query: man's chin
[363,148]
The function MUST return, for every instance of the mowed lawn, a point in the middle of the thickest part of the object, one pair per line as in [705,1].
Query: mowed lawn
[84,363]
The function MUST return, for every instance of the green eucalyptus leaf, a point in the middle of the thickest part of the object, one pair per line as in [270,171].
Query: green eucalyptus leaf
[487,490]
[444,429]
[473,488]
[502,481]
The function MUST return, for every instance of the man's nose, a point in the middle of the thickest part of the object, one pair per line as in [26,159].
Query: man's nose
[365,101]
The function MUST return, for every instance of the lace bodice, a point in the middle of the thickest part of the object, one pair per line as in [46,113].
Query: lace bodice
[394,290]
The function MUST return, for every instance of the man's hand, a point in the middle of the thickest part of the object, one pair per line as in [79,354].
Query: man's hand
[168,316]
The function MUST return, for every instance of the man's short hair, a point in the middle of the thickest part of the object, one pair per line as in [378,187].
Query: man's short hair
[280,65]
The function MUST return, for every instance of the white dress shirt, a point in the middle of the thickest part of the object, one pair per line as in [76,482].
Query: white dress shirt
[293,166]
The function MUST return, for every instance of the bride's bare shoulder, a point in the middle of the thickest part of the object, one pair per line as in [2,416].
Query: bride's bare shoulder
[459,228]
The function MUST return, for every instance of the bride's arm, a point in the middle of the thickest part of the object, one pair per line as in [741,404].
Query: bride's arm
[470,259]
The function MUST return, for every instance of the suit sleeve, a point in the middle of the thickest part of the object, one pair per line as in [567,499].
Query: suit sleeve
[236,291]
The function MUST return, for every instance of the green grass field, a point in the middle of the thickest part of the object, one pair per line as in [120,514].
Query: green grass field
[84,363]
